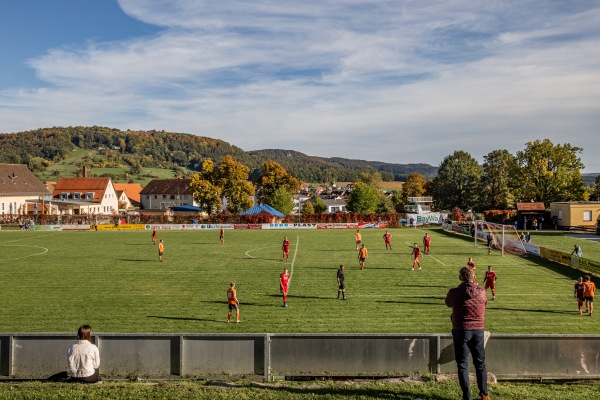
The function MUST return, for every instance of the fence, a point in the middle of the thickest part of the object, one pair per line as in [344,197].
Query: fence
[266,356]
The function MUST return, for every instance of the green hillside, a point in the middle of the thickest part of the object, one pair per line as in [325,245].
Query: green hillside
[142,155]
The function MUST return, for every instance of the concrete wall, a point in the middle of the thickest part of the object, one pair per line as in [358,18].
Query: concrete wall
[264,356]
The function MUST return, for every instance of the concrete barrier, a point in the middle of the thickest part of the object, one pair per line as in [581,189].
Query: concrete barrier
[266,356]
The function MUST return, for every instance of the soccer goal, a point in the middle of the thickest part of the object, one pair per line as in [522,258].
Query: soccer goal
[504,237]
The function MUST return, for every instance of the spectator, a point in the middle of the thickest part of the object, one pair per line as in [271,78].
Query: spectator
[83,358]
[468,303]
[577,251]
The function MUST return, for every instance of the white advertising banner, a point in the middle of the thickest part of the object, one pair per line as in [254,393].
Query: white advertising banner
[426,219]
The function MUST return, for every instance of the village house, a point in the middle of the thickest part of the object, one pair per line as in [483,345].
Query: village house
[128,195]
[161,194]
[21,192]
[85,196]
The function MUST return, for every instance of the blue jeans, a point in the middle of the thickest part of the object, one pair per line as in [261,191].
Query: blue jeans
[465,342]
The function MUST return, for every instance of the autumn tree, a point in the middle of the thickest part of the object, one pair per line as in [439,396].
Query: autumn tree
[272,177]
[457,182]
[549,172]
[307,208]
[282,200]
[229,180]
[499,167]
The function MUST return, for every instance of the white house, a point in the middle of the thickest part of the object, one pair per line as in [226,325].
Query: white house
[21,192]
[85,196]
[160,194]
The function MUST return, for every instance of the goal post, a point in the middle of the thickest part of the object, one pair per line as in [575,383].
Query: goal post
[504,237]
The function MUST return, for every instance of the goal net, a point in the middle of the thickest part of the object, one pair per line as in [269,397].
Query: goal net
[504,237]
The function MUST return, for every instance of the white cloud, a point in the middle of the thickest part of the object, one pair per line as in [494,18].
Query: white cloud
[390,81]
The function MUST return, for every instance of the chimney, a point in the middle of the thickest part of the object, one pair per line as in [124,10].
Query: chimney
[85,171]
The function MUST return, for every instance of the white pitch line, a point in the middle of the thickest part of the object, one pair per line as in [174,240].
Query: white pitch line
[294,258]
[27,238]
[260,248]
[45,250]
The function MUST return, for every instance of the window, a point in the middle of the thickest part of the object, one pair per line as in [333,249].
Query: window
[63,196]
[89,196]
[587,216]
[559,214]
[172,197]
[164,196]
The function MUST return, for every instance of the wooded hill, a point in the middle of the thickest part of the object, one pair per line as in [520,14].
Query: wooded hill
[181,152]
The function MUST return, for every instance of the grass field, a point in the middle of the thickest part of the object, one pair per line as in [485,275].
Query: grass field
[306,391]
[56,281]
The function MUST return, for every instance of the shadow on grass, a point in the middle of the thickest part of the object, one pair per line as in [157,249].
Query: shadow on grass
[425,286]
[353,392]
[183,318]
[416,300]
[530,310]
[136,260]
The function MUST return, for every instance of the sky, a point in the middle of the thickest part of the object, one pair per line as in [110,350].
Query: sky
[386,80]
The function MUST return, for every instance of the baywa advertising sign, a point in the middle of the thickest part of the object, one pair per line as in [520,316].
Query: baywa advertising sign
[426,219]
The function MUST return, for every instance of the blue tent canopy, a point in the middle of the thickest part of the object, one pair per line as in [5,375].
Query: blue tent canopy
[186,208]
[257,209]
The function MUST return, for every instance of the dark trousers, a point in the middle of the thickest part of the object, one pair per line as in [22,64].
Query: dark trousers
[473,342]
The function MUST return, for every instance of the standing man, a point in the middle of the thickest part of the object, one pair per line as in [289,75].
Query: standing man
[468,302]
[490,240]
[362,256]
[589,288]
[154,236]
[284,280]
[577,251]
[358,239]
[416,252]
[161,250]
[426,243]
[579,294]
[233,303]
[222,235]
[490,281]
[387,238]
[285,248]
[340,281]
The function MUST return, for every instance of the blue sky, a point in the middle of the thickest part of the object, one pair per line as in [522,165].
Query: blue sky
[395,81]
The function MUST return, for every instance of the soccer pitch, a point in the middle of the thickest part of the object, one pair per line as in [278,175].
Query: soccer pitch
[56,281]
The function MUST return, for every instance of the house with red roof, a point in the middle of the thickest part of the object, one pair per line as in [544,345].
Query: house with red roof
[128,195]
[161,194]
[85,196]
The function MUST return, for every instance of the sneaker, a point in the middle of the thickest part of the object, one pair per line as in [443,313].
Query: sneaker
[419,268]
[412,269]
[493,297]
[285,305]
[238,321]
[485,397]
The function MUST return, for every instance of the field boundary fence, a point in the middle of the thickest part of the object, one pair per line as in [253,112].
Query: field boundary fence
[278,356]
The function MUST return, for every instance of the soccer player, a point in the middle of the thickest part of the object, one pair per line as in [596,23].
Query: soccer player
[578,293]
[588,293]
[233,303]
[284,280]
[490,239]
[416,252]
[340,281]
[222,235]
[426,243]
[161,250]
[387,238]
[286,248]
[471,263]
[490,281]
[362,256]
[154,236]
[358,239]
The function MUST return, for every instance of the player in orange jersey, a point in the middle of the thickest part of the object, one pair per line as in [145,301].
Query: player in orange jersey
[161,250]
[362,256]
[358,239]
[589,288]
[284,280]
[222,235]
[233,303]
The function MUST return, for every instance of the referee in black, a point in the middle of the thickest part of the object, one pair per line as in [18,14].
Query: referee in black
[340,281]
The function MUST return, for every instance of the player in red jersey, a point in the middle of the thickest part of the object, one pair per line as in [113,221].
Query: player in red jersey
[387,238]
[416,252]
[286,248]
[426,243]
[578,293]
[154,236]
[471,263]
[284,280]
[490,281]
